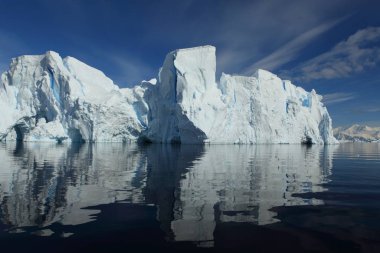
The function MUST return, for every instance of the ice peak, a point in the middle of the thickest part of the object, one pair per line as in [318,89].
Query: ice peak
[193,49]
[53,60]
[152,81]
[264,74]
[53,54]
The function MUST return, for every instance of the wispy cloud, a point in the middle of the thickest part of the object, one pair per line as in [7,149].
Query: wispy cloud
[374,109]
[368,109]
[338,97]
[360,52]
[291,49]
[247,32]
[131,70]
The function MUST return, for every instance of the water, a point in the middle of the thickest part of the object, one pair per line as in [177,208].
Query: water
[169,198]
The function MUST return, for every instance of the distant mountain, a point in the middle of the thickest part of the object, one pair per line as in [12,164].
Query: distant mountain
[357,133]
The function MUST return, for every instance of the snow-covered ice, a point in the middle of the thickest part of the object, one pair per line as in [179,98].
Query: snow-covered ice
[47,98]
[189,106]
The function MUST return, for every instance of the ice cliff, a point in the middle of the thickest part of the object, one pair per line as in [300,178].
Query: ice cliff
[45,98]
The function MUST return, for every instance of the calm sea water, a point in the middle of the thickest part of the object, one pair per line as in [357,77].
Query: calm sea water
[167,198]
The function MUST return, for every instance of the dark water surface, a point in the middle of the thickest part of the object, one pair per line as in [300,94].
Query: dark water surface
[165,198]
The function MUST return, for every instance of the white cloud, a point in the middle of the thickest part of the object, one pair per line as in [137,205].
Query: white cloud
[338,97]
[374,109]
[359,52]
[367,109]
[291,49]
[247,32]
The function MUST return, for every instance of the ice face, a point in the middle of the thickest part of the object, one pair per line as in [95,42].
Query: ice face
[185,105]
[186,98]
[78,103]
[190,107]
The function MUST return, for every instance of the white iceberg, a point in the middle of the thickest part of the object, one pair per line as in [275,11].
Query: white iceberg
[189,106]
[47,98]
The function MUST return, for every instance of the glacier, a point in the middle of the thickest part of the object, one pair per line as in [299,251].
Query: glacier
[49,98]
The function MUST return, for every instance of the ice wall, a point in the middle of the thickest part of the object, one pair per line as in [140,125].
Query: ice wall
[188,106]
[47,98]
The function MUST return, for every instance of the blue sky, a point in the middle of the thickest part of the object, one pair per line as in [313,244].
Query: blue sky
[332,46]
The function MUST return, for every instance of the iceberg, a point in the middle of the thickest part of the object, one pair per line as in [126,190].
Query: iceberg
[189,106]
[49,98]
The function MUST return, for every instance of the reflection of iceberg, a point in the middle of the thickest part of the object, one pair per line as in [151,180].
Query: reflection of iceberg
[193,187]
[241,184]
[43,184]
[166,166]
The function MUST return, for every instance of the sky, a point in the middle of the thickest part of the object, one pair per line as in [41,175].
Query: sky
[330,46]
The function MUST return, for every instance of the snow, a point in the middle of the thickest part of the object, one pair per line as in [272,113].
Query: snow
[51,131]
[190,107]
[47,98]
[78,102]
[183,103]
[357,133]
